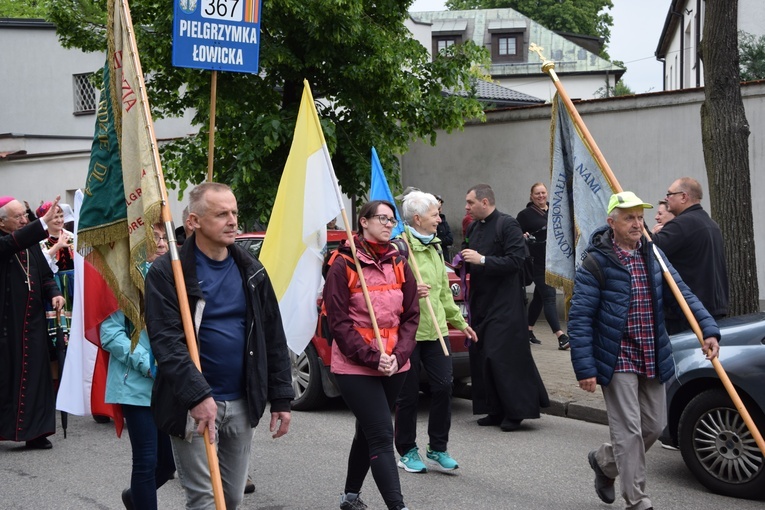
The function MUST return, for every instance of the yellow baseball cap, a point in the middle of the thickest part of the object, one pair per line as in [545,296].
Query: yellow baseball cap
[626,200]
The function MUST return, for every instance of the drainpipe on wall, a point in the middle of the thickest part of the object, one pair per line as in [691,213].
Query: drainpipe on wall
[698,43]
[680,70]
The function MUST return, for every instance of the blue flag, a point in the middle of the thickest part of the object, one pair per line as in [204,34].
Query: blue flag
[579,193]
[379,190]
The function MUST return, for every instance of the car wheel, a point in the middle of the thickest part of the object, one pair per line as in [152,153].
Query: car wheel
[306,380]
[719,449]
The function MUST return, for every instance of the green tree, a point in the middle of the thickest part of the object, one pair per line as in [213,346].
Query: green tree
[620,89]
[23,9]
[377,85]
[751,50]
[587,17]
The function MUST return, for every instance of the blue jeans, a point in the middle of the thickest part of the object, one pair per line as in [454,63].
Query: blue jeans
[153,463]
[234,438]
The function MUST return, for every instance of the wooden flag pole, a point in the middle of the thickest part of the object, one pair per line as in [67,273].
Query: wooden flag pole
[349,233]
[180,283]
[548,67]
[211,134]
[363,283]
[721,373]
[418,276]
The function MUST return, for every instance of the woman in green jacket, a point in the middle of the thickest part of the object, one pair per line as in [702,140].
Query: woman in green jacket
[420,212]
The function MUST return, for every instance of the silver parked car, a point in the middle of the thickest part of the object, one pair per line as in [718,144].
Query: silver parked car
[703,422]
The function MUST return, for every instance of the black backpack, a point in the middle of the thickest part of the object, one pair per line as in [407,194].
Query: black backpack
[527,271]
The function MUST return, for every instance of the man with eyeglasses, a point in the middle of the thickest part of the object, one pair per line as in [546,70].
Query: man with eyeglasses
[27,407]
[693,243]
[506,383]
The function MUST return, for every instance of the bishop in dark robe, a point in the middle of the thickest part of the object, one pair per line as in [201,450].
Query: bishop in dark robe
[27,401]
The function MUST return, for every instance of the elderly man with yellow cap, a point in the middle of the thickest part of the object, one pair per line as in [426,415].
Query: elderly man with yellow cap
[618,340]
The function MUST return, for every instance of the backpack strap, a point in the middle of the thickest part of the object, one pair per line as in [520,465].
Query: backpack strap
[591,264]
[398,269]
[400,245]
[353,277]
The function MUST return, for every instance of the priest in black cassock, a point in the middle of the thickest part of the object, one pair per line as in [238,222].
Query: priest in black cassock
[506,383]
[27,402]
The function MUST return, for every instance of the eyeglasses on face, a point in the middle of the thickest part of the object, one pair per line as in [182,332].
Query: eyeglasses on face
[157,239]
[670,193]
[384,220]
[19,216]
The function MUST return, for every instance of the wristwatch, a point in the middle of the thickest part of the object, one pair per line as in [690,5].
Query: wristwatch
[483,260]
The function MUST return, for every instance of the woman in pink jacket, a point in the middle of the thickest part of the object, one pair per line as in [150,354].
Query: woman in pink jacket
[368,379]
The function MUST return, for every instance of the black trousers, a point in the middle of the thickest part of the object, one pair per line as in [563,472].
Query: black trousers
[544,297]
[371,399]
[439,370]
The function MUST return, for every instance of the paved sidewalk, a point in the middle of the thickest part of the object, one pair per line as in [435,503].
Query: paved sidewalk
[566,399]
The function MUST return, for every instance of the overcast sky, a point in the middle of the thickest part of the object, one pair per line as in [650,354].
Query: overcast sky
[634,37]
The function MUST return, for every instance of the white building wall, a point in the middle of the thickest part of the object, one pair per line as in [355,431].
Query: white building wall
[36,92]
[751,19]
[578,87]
[37,89]
[36,116]
[648,140]
[422,33]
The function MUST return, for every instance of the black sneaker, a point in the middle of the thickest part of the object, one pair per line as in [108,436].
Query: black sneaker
[563,342]
[533,339]
[127,499]
[249,487]
[604,486]
[346,503]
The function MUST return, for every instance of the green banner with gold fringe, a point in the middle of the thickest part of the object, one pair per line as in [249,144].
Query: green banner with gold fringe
[122,198]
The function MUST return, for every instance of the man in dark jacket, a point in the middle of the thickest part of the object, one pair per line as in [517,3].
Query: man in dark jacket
[693,243]
[506,382]
[618,340]
[243,350]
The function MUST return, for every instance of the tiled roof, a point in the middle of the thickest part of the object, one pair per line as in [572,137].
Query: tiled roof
[492,92]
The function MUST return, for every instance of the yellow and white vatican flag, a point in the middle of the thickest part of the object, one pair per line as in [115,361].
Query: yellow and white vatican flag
[293,251]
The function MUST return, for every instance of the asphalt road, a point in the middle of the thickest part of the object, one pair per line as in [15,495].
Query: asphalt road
[542,466]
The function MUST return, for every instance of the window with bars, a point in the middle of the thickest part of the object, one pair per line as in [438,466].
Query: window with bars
[84,94]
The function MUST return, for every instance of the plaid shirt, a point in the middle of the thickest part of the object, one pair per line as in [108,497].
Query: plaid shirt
[638,351]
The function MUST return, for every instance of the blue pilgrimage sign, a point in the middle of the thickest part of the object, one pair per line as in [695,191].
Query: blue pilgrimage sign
[223,35]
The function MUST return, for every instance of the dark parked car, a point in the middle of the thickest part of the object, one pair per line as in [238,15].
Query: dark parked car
[311,378]
[703,422]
